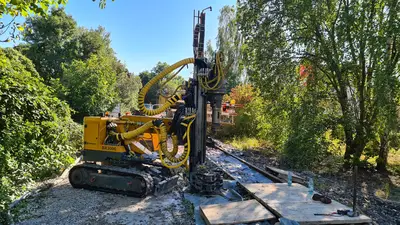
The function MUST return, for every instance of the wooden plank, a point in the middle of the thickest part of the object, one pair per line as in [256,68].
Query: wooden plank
[278,192]
[295,203]
[303,213]
[249,211]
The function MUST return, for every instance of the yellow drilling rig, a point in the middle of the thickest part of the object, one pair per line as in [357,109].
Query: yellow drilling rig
[130,154]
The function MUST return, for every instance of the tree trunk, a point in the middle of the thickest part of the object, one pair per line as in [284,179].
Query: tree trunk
[381,162]
[348,131]
[349,148]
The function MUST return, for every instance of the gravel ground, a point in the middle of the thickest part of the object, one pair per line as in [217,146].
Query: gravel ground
[62,204]
[339,186]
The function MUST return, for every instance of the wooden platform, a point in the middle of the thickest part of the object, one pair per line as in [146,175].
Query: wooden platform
[249,211]
[294,203]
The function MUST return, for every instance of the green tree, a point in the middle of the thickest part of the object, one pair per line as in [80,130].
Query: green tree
[210,52]
[37,131]
[229,43]
[91,41]
[50,41]
[242,94]
[56,40]
[90,86]
[350,45]
[128,87]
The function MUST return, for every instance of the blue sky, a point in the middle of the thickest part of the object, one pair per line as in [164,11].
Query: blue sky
[145,32]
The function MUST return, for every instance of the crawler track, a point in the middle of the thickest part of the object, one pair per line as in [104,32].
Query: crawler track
[86,176]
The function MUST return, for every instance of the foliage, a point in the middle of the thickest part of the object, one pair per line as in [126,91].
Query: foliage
[14,8]
[56,42]
[128,87]
[349,44]
[210,52]
[51,42]
[36,128]
[242,94]
[102,3]
[246,143]
[90,86]
[229,43]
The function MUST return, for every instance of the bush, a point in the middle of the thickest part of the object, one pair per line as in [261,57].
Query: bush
[90,86]
[308,142]
[36,128]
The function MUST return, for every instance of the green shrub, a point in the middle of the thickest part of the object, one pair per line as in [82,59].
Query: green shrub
[36,128]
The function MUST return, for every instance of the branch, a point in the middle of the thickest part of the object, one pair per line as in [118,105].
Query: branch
[348,36]
[8,26]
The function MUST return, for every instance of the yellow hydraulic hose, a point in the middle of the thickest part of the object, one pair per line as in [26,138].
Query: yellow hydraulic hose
[132,134]
[174,144]
[172,77]
[157,124]
[205,83]
[172,100]
[163,150]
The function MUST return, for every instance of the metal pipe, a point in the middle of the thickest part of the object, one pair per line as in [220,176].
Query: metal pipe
[355,171]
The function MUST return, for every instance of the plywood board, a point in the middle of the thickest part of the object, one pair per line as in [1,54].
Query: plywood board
[235,213]
[303,213]
[279,192]
[295,203]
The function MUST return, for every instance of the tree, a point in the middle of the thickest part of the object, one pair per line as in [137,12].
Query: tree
[210,52]
[128,87]
[350,44]
[56,40]
[91,41]
[49,42]
[37,131]
[242,94]
[91,86]
[229,43]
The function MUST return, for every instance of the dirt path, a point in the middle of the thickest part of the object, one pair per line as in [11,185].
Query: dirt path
[62,204]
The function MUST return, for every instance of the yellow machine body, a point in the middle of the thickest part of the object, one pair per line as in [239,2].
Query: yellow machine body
[95,134]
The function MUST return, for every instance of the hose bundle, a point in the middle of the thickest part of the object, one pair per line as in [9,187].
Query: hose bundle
[170,101]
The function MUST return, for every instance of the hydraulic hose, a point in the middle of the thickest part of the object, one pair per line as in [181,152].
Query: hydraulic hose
[181,160]
[174,144]
[158,124]
[134,133]
[170,101]
[205,83]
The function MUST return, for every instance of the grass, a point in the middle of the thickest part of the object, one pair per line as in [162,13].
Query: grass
[246,143]
[394,161]
[389,192]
